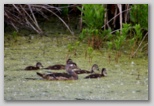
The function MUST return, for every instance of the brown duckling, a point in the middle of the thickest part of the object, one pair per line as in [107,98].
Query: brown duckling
[103,74]
[70,65]
[58,76]
[38,65]
[93,68]
[60,66]
[70,75]
[56,67]
[47,76]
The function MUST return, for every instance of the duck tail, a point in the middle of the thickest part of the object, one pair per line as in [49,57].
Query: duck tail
[40,74]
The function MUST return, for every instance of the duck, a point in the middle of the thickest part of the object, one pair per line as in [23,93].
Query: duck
[61,66]
[70,75]
[103,74]
[93,68]
[58,76]
[56,67]
[37,67]
[70,65]
[70,68]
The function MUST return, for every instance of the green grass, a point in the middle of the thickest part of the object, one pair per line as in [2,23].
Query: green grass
[120,84]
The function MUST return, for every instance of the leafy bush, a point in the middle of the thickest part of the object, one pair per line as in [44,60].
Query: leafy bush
[139,15]
[93,15]
[138,32]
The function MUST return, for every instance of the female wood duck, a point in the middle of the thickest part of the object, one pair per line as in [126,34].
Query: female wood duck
[60,66]
[70,65]
[58,76]
[56,67]
[103,74]
[93,68]
[70,75]
[38,65]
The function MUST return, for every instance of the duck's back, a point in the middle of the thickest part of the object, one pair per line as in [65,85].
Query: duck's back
[82,72]
[31,68]
[56,67]
[93,76]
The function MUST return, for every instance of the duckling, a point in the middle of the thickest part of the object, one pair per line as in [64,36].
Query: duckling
[70,75]
[103,74]
[56,67]
[70,65]
[38,65]
[60,66]
[58,76]
[93,68]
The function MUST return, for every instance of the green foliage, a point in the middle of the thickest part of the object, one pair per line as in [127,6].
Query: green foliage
[90,51]
[92,36]
[110,45]
[95,37]
[106,33]
[139,15]
[87,33]
[121,37]
[14,34]
[93,15]
[138,32]
[77,43]
[118,42]
[70,47]
[65,10]
[132,41]
[125,29]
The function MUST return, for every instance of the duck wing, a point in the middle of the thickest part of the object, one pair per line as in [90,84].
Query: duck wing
[61,75]
[31,68]
[47,76]
[56,67]
[93,76]
[82,71]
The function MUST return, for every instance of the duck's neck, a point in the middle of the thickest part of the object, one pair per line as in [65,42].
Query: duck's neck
[73,74]
[103,73]
[92,71]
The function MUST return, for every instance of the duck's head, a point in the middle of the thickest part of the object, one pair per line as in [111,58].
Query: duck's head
[70,64]
[39,64]
[94,68]
[104,73]
[69,61]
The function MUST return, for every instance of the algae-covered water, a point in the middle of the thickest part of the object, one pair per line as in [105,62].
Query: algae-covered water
[126,80]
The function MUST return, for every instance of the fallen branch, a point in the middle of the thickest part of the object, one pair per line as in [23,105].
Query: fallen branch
[23,15]
[139,45]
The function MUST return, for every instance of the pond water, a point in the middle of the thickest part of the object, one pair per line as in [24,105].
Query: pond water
[126,80]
